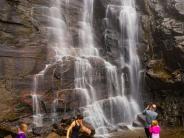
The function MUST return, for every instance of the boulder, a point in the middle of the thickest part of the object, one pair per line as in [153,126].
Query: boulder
[177,6]
[137,124]
[139,121]
[7,131]
[40,131]
[123,126]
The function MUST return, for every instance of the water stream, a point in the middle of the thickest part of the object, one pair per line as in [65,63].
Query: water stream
[37,98]
[115,107]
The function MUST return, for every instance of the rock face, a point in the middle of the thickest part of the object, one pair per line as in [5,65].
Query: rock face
[24,51]
[162,23]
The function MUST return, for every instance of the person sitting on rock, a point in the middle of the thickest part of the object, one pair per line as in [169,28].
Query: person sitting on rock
[76,126]
[22,130]
[150,115]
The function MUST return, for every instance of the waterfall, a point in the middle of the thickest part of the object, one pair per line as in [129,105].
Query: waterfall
[128,56]
[37,114]
[36,98]
[129,38]
[106,111]
[92,109]
[116,107]
[59,42]
[86,31]
[58,31]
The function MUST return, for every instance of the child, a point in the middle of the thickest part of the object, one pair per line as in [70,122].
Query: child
[155,129]
[22,130]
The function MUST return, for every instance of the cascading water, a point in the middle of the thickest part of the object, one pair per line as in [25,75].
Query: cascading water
[37,114]
[59,42]
[104,112]
[128,56]
[36,99]
[116,107]
[57,31]
[92,109]
[129,38]
[60,38]
[86,31]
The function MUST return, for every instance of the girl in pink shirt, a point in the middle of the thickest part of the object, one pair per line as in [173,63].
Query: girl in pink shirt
[155,129]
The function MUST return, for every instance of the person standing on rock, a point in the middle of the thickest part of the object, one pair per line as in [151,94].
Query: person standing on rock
[22,130]
[150,115]
[76,126]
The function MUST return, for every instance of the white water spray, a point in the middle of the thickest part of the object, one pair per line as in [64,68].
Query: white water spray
[104,113]
[129,38]
[36,99]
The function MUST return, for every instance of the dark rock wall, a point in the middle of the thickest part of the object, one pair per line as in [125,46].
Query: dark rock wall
[24,51]
[22,54]
[163,27]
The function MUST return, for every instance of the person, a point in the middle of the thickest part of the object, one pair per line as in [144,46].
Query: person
[155,129]
[150,115]
[22,130]
[76,126]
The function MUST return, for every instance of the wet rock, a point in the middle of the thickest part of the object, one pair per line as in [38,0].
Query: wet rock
[177,6]
[164,78]
[7,130]
[139,121]
[123,126]
[137,124]
[173,26]
[88,125]
[141,118]
[40,131]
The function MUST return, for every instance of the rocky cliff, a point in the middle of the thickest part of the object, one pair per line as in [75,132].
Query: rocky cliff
[24,51]
[163,27]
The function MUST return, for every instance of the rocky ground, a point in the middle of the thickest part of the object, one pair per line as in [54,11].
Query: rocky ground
[59,128]
[139,133]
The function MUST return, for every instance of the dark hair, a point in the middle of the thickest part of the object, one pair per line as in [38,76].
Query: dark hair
[55,126]
[79,116]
